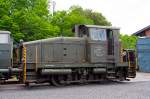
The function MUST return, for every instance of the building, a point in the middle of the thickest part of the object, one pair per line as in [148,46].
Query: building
[143,49]
[143,32]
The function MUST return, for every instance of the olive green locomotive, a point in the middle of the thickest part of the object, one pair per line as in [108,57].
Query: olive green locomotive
[94,54]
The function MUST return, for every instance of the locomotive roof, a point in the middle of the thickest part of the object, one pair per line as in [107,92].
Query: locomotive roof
[104,27]
[59,39]
[5,32]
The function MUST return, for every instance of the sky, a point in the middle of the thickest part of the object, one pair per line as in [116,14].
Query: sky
[129,15]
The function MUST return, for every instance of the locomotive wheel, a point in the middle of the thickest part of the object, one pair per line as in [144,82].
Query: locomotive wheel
[58,80]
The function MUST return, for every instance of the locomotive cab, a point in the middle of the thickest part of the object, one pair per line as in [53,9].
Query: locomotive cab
[103,42]
[103,47]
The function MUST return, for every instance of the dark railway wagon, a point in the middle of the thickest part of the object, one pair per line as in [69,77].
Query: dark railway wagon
[5,54]
[6,57]
[92,55]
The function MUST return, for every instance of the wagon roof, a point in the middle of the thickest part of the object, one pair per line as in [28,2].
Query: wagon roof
[5,32]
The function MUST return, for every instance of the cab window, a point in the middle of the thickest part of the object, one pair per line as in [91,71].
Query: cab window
[4,38]
[97,34]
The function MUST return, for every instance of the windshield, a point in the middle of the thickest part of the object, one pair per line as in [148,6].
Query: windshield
[98,34]
[3,38]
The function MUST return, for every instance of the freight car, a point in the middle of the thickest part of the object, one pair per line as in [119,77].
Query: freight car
[92,55]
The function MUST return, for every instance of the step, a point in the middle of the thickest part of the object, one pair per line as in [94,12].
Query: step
[111,72]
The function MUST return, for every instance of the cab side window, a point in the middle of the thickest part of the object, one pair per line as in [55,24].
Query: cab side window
[98,34]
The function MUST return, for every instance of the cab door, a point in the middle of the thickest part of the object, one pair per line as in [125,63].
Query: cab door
[110,45]
[97,45]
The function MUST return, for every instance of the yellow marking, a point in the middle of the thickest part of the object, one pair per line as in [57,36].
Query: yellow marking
[25,64]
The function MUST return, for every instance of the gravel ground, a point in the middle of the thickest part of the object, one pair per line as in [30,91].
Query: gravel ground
[138,88]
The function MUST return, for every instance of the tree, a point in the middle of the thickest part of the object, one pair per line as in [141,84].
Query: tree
[30,19]
[97,17]
[65,20]
[128,42]
[26,19]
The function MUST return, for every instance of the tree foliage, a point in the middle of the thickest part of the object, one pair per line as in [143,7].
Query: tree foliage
[30,19]
[26,19]
[77,15]
[128,42]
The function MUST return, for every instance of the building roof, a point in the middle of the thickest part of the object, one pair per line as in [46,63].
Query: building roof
[142,30]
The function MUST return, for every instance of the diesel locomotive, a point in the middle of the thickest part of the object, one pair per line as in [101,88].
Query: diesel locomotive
[94,54]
